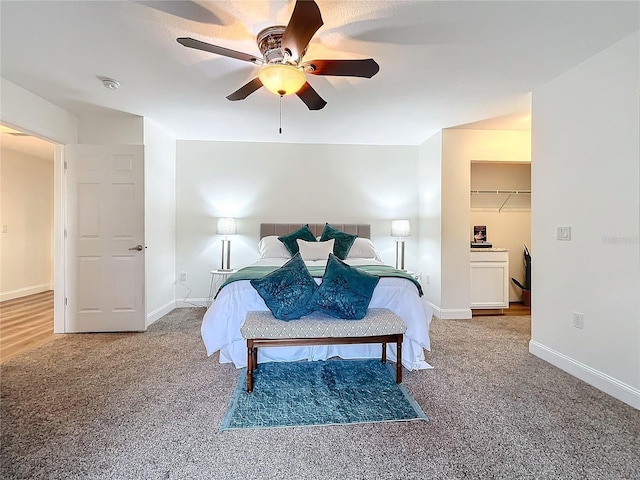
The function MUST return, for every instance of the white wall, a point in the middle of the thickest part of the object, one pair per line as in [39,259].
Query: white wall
[115,129]
[459,148]
[26,249]
[586,135]
[160,220]
[430,219]
[266,182]
[32,114]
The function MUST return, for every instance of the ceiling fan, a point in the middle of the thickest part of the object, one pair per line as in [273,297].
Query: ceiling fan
[283,71]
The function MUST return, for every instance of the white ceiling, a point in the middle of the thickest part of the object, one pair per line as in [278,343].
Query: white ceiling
[442,64]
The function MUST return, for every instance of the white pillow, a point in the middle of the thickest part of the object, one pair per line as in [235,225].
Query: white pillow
[271,247]
[363,248]
[315,250]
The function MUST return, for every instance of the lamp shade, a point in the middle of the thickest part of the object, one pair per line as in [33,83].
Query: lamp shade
[400,228]
[282,79]
[226,226]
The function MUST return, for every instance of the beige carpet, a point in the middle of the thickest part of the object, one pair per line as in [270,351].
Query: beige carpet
[149,405]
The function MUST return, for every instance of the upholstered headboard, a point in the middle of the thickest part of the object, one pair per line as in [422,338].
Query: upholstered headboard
[266,229]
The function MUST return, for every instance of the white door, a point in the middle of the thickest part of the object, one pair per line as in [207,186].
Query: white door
[105,238]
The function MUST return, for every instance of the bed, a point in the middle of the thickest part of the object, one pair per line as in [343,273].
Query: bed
[222,321]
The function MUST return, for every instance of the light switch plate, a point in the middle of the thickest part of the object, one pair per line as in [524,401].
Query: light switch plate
[564,233]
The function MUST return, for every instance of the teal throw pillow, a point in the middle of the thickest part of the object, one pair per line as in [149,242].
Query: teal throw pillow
[290,240]
[287,290]
[345,291]
[343,243]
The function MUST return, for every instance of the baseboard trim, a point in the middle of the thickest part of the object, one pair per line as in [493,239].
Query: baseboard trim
[24,292]
[609,385]
[160,312]
[451,313]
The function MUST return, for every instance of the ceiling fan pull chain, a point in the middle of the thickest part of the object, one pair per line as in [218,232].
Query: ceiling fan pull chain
[280,129]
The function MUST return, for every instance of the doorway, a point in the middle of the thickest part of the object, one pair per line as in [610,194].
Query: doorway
[27,232]
[501,203]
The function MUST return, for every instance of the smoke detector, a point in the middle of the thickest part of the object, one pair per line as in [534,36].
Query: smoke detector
[109,83]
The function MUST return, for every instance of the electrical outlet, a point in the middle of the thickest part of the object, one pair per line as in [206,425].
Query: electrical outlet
[183,276]
[578,320]
[563,233]
[5,228]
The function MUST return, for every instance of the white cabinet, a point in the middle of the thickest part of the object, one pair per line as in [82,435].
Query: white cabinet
[489,278]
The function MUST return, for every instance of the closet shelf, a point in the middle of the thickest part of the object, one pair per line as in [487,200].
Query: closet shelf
[499,200]
[512,192]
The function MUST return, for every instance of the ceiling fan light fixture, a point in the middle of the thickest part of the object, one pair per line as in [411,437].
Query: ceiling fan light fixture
[282,79]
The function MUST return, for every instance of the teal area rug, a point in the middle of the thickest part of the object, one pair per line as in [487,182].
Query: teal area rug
[333,392]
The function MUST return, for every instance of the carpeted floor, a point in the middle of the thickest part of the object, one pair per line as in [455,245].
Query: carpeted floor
[149,406]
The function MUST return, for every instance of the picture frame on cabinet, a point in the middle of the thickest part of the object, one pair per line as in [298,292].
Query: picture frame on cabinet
[480,237]
[480,234]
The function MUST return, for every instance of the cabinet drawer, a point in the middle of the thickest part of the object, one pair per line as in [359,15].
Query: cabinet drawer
[489,256]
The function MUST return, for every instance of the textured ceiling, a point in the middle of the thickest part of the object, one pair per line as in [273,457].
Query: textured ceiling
[442,64]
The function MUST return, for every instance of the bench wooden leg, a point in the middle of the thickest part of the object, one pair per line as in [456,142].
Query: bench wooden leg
[249,366]
[399,359]
[255,358]
[384,353]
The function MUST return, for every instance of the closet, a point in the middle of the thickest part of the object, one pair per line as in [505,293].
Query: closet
[500,199]
[500,186]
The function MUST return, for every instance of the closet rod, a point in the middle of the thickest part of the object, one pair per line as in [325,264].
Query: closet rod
[512,192]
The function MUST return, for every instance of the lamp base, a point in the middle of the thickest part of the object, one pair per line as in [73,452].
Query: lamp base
[400,255]
[225,264]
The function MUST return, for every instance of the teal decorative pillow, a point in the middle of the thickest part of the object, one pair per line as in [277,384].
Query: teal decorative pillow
[344,240]
[345,291]
[287,290]
[290,242]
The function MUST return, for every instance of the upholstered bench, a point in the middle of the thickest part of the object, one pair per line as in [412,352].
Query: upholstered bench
[380,325]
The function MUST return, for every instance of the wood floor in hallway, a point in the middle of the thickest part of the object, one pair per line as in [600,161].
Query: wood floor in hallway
[25,323]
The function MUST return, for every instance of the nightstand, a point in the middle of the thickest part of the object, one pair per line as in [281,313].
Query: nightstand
[218,277]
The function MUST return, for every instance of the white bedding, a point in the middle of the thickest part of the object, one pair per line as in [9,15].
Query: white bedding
[222,321]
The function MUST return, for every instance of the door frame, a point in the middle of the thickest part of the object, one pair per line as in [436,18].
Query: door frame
[59,250]
[59,212]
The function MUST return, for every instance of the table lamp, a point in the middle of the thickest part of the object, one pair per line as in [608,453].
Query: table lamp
[400,229]
[226,227]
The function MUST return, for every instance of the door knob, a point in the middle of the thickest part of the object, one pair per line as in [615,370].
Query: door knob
[137,247]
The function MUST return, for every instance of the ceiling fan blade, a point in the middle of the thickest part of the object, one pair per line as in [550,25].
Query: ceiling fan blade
[310,97]
[305,21]
[187,9]
[246,90]
[343,68]
[207,47]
